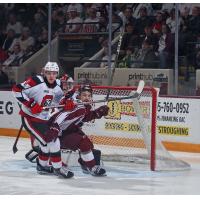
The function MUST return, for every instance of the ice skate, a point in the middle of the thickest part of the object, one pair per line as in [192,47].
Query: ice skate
[63,172]
[97,170]
[43,170]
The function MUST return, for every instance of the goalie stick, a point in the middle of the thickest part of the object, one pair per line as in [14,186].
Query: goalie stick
[116,61]
[132,95]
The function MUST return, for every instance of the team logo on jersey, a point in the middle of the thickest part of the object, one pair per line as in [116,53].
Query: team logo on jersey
[47,100]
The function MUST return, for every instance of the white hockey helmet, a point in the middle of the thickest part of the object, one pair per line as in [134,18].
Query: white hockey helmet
[52,67]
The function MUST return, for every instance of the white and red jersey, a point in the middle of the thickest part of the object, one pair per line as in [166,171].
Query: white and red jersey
[36,89]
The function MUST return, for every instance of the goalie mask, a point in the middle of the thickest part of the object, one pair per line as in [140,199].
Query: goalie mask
[67,83]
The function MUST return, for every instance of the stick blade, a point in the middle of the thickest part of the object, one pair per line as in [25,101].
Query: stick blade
[135,94]
[15,149]
[140,87]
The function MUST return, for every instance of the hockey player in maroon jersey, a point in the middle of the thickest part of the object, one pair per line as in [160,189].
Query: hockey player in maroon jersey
[34,94]
[68,124]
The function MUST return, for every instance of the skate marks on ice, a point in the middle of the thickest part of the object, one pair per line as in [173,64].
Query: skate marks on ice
[18,176]
[22,178]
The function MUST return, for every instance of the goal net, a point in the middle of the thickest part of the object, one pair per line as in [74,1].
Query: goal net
[129,132]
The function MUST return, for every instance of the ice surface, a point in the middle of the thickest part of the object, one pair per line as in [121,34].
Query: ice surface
[18,176]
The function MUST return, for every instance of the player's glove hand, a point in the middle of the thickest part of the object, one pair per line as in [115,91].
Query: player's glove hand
[36,108]
[69,105]
[52,133]
[101,111]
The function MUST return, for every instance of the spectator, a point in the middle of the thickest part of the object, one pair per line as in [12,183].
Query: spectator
[36,27]
[194,22]
[42,39]
[116,23]
[8,40]
[185,19]
[14,24]
[60,22]
[77,6]
[153,38]
[3,55]
[157,25]
[102,24]
[15,59]
[127,17]
[171,22]
[3,77]
[24,40]
[166,47]
[2,35]
[143,21]
[105,58]
[146,57]
[91,28]
[127,60]
[28,53]
[54,21]
[130,39]
[74,23]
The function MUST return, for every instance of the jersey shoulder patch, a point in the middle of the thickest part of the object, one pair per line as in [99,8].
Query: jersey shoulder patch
[33,81]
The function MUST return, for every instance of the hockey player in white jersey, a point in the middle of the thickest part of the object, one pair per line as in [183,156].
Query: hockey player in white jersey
[34,94]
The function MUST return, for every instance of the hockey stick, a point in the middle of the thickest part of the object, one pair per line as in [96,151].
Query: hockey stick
[133,94]
[116,61]
[16,140]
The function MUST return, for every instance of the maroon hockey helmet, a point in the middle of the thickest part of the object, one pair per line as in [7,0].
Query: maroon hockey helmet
[84,88]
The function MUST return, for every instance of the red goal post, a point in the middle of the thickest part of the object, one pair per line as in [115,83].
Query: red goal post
[129,132]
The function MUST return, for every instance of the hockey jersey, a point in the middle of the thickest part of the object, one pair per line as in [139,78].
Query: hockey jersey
[36,89]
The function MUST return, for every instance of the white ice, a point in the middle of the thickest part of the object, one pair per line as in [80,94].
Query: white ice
[18,176]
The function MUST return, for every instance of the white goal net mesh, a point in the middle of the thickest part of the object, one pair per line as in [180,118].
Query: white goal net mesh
[126,134]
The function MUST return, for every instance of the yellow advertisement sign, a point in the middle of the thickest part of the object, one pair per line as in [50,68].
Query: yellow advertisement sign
[122,126]
[173,130]
[118,108]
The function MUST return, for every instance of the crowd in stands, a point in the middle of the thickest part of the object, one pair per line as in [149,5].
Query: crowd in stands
[148,41]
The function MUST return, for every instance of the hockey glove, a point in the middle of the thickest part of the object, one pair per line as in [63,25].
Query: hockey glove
[69,105]
[52,133]
[36,108]
[101,111]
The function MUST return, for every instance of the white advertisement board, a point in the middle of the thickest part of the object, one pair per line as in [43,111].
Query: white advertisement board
[161,78]
[9,109]
[177,118]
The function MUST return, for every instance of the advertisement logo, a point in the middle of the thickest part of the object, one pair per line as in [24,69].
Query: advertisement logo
[161,78]
[6,107]
[118,108]
[173,130]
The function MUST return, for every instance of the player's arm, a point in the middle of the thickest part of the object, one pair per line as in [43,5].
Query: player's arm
[95,114]
[21,92]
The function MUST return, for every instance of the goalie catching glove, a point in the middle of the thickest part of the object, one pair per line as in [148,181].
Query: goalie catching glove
[101,111]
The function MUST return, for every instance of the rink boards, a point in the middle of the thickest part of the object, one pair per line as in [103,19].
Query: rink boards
[177,124]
